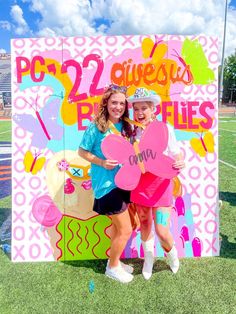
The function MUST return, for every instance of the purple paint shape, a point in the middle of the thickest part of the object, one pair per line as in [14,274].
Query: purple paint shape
[197,247]
[49,115]
[178,242]
[184,233]
[134,253]
[181,223]
[141,251]
[182,240]
[123,255]
[187,201]
[191,232]
[179,205]
[131,247]
[127,251]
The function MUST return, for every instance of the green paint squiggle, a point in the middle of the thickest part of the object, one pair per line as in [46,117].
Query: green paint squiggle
[83,239]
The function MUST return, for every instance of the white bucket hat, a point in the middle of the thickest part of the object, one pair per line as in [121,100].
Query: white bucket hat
[143,94]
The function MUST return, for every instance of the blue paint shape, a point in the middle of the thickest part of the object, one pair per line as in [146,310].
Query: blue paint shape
[138,241]
[188,249]
[162,218]
[91,286]
[160,251]
[189,217]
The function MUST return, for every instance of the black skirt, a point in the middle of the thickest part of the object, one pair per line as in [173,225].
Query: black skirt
[115,202]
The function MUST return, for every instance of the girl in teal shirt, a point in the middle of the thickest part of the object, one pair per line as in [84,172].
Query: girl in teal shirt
[109,199]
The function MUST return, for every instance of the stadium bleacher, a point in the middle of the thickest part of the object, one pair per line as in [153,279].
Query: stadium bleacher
[5,86]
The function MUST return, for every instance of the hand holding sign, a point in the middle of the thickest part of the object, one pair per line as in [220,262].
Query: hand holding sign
[147,156]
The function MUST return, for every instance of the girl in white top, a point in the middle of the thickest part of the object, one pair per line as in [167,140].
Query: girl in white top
[153,195]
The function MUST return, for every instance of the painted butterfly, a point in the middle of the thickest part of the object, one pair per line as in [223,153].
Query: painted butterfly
[153,50]
[193,54]
[44,126]
[203,145]
[33,164]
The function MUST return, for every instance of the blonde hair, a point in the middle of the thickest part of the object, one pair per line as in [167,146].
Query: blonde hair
[102,115]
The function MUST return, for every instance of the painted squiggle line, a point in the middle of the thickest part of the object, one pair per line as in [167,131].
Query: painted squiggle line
[98,240]
[57,243]
[77,247]
[67,245]
[86,237]
[105,231]
[107,252]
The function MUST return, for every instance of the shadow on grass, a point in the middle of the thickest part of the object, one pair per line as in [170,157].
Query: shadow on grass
[99,266]
[5,231]
[228,249]
[229,197]
[5,225]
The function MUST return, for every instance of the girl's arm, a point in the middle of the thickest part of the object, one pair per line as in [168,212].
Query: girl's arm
[179,162]
[106,163]
[175,151]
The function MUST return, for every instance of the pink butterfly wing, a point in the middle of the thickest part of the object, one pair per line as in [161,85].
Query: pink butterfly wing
[162,167]
[127,178]
[117,148]
[152,145]
[155,136]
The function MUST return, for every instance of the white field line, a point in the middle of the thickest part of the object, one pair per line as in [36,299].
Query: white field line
[5,132]
[227,130]
[5,159]
[5,150]
[227,164]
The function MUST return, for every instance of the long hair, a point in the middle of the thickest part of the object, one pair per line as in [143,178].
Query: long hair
[102,115]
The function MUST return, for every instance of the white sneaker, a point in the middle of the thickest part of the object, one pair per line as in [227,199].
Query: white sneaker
[173,259]
[129,269]
[119,274]
[148,248]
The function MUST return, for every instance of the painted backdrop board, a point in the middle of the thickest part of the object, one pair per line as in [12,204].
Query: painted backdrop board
[57,84]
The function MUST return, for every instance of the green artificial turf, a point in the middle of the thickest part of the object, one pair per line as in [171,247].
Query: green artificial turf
[5,202]
[5,131]
[202,285]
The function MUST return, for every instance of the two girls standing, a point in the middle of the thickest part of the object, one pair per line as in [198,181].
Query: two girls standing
[112,201]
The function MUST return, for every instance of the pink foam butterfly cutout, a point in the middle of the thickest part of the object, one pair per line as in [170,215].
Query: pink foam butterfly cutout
[147,156]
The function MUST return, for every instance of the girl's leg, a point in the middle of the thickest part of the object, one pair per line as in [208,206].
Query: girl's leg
[113,233]
[162,223]
[162,227]
[121,232]
[145,218]
[147,237]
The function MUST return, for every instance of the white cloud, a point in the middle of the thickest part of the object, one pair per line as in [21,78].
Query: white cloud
[231,33]
[80,17]
[2,50]
[20,25]
[5,25]
[171,17]
[66,18]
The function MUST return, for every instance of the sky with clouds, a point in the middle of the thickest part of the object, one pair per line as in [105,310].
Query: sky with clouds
[46,18]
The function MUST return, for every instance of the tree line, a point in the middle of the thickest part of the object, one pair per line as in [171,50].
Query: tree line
[229,80]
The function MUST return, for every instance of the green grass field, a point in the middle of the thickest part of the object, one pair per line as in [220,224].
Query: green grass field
[5,131]
[205,285]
